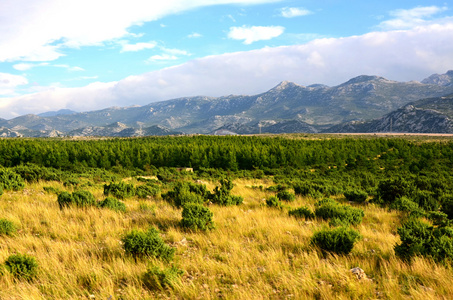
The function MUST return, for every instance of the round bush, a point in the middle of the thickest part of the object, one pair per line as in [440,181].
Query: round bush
[391,189]
[11,181]
[64,199]
[149,243]
[286,195]
[330,209]
[356,195]
[22,266]
[143,191]
[7,227]
[339,240]
[113,204]
[302,212]
[196,217]
[119,190]
[420,238]
[83,198]
[273,201]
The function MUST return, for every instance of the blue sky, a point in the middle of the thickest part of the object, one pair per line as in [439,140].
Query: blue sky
[92,54]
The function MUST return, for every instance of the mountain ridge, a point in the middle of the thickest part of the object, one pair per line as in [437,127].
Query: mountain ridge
[287,105]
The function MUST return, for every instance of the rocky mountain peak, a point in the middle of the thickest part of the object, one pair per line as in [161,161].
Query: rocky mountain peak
[57,113]
[285,85]
[440,79]
[365,78]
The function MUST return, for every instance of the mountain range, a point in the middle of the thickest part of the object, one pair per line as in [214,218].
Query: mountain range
[362,104]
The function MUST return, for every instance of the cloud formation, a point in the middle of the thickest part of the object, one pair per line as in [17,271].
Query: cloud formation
[252,34]
[291,12]
[28,66]
[138,47]
[397,55]
[38,30]
[410,18]
[8,84]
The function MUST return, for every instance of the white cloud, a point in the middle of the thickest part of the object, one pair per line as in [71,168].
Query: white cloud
[138,47]
[398,55]
[291,12]
[176,51]
[82,78]
[162,57]
[75,69]
[194,35]
[252,34]
[28,66]
[169,54]
[9,82]
[409,18]
[36,30]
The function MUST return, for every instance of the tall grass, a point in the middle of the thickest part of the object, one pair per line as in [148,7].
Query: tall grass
[255,252]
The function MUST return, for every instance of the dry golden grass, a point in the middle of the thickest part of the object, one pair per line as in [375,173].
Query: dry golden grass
[255,252]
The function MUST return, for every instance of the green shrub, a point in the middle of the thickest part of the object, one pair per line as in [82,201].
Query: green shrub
[143,191]
[7,227]
[183,193]
[34,173]
[358,196]
[199,189]
[83,199]
[302,189]
[391,189]
[22,266]
[113,204]
[419,238]
[77,198]
[156,279]
[149,243]
[404,204]
[313,189]
[10,181]
[71,181]
[426,200]
[222,194]
[286,195]
[120,190]
[438,218]
[196,217]
[447,205]
[51,190]
[302,212]
[1,190]
[64,200]
[273,201]
[329,209]
[338,240]
[276,188]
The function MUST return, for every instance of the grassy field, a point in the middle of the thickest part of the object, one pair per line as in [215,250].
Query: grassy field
[255,252]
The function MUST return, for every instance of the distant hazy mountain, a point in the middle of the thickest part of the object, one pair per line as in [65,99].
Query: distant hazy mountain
[288,107]
[443,79]
[57,113]
[432,115]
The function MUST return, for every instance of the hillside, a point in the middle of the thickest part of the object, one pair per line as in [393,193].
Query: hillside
[432,115]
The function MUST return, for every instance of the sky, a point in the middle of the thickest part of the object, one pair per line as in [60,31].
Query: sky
[92,54]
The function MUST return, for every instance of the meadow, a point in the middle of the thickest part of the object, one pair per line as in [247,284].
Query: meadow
[253,246]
